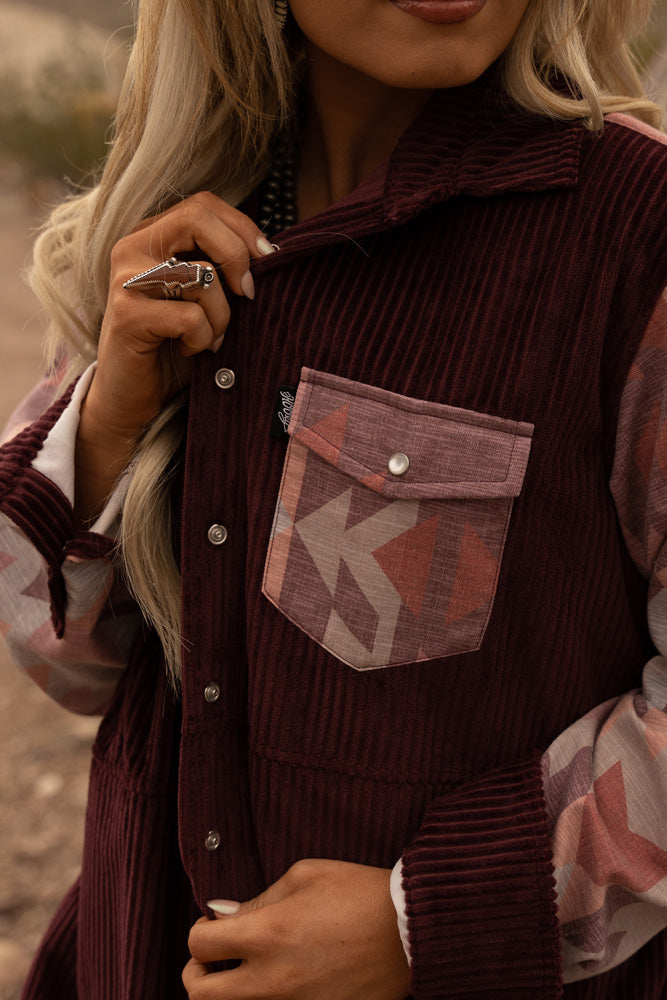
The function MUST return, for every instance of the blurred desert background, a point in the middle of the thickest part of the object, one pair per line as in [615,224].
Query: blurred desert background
[60,67]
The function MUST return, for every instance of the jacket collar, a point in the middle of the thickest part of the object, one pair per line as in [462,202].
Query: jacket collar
[469,141]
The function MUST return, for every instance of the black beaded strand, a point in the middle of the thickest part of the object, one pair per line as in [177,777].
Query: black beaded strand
[277,207]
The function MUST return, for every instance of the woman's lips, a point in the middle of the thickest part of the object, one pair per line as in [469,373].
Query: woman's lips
[441,11]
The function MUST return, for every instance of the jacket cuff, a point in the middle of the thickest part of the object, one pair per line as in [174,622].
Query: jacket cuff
[39,506]
[480,893]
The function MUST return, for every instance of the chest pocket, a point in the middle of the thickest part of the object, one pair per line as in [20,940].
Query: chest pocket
[391,521]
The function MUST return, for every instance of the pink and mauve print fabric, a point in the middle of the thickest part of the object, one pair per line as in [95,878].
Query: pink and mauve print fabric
[379,568]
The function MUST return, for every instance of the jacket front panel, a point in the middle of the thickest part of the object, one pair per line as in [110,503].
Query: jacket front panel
[516,321]
[530,317]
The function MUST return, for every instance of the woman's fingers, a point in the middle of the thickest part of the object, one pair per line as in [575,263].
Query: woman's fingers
[205,222]
[144,339]
[242,224]
[210,301]
[146,344]
[325,929]
[184,322]
[236,984]
[219,940]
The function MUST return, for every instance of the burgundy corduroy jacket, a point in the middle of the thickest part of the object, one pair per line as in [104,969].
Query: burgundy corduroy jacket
[473,313]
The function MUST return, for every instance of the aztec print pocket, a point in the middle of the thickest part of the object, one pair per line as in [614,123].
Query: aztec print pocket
[391,521]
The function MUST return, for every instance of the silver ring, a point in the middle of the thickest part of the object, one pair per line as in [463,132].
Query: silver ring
[172,276]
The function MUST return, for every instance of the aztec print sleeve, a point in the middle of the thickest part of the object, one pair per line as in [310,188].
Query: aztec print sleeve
[606,776]
[65,618]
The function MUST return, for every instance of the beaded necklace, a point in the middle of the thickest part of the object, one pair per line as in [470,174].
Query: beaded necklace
[277,206]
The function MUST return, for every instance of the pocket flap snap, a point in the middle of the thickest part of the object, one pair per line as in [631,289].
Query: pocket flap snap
[405,448]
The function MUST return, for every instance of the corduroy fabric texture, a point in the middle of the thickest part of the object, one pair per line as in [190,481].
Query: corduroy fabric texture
[509,268]
[467,845]
[54,973]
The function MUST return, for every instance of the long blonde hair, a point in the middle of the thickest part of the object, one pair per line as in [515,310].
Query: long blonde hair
[213,130]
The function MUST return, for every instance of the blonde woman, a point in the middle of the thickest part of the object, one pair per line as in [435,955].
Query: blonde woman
[351,527]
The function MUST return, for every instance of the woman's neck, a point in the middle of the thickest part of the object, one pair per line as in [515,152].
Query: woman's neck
[352,123]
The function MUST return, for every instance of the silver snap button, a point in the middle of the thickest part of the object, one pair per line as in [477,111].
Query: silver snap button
[212,693]
[225,378]
[213,840]
[398,464]
[217,534]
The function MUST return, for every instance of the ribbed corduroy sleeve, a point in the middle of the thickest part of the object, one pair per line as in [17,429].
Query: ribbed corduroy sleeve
[480,897]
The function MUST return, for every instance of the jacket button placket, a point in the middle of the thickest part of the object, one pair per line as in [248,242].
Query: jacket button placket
[214,793]
[218,541]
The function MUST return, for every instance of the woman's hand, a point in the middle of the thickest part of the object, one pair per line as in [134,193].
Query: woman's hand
[146,343]
[326,929]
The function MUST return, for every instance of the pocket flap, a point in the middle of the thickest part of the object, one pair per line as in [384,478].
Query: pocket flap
[405,448]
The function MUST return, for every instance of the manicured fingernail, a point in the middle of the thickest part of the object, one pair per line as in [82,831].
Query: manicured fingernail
[264,246]
[225,907]
[217,344]
[248,285]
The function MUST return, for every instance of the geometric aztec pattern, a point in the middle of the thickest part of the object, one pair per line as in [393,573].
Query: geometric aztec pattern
[81,670]
[382,572]
[605,778]
[382,582]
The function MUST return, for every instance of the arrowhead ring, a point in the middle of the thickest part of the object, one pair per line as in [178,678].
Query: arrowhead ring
[172,277]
